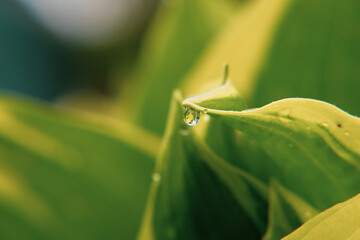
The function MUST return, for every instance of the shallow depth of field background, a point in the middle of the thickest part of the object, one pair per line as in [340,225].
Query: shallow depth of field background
[54,51]
[115,55]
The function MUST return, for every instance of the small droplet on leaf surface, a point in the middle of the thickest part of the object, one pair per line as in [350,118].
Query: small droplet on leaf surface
[156,177]
[191,116]
[325,125]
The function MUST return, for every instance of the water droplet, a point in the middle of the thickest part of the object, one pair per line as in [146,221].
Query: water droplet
[325,125]
[191,116]
[205,110]
[347,134]
[156,177]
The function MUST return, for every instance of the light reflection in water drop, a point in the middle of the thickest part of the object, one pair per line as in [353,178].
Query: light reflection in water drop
[191,116]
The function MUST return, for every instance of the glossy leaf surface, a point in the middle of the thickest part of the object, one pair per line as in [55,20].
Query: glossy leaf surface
[339,222]
[314,145]
[199,195]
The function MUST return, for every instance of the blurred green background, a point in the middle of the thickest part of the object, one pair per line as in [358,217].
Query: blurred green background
[86,86]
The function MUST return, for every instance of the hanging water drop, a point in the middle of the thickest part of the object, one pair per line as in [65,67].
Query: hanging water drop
[191,116]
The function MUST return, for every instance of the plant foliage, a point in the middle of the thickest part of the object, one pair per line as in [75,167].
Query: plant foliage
[271,157]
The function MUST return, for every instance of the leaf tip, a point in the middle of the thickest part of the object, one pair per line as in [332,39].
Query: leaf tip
[225,72]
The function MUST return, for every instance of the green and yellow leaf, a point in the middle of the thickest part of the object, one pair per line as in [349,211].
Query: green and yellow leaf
[339,222]
[314,145]
[70,175]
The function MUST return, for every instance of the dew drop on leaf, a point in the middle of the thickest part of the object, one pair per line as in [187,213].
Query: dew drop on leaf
[191,116]
[156,177]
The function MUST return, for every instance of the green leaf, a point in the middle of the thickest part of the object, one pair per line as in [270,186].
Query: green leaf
[178,35]
[224,97]
[219,137]
[70,175]
[298,62]
[198,195]
[339,222]
[279,49]
[309,141]
[287,211]
[276,50]
[253,158]
[243,43]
